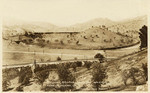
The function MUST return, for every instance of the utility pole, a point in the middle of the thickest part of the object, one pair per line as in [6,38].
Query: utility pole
[105,53]
[28,49]
[34,55]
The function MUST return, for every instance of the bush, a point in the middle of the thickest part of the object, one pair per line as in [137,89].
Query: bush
[19,88]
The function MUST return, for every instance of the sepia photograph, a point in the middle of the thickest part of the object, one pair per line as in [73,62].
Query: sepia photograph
[74,45]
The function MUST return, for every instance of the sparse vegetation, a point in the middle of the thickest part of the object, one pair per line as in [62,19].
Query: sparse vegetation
[76,50]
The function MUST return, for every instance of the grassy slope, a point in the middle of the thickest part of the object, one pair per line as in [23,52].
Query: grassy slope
[114,71]
[102,40]
[93,38]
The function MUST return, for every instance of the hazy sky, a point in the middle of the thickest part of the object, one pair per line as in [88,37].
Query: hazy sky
[68,12]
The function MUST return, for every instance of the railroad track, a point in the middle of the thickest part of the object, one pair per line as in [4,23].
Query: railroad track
[54,62]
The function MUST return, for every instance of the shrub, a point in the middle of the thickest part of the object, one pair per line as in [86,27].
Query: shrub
[19,88]
[52,66]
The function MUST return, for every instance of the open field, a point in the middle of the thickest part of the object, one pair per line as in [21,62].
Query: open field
[27,55]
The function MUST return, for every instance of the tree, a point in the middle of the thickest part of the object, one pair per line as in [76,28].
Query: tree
[26,33]
[66,78]
[42,75]
[24,75]
[145,69]
[131,73]
[100,57]
[74,66]
[77,42]
[99,75]
[62,42]
[5,85]
[75,58]
[88,65]
[58,58]
[79,63]
[143,37]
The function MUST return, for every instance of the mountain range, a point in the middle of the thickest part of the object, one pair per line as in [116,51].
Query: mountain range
[128,25]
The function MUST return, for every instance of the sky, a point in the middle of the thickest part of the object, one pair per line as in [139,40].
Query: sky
[69,12]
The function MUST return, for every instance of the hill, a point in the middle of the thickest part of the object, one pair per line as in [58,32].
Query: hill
[101,37]
[129,27]
[94,22]
[94,34]
[15,27]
